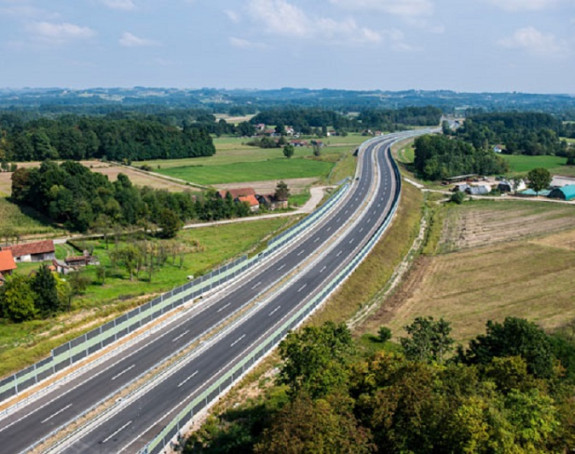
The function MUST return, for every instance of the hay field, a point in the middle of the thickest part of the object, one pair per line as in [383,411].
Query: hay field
[514,260]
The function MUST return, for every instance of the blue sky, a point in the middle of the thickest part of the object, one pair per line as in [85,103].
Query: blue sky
[462,45]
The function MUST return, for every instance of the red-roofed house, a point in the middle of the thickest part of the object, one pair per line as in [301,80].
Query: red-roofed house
[237,193]
[7,264]
[32,252]
[251,201]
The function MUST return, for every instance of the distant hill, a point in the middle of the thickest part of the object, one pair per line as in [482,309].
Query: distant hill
[239,101]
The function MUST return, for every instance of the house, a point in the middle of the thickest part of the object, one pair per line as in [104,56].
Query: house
[32,252]
[251,201]
[564,193]
[7,264]
[237,193]
[271,202]
[61,267]
[80,260]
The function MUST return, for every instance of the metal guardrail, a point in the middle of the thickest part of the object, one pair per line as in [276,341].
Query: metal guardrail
[98,338]
[245,364]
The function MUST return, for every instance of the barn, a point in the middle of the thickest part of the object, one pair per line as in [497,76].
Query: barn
[563,193]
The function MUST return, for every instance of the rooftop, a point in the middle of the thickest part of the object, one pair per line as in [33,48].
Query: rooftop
[7,261]
[39,247]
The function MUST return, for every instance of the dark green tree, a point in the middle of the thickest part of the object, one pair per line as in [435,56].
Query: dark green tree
[539,179]
[513,337]
[44,285]
[428,340]
[282,191]
[17,299]
[384,334]
[288,150]
[315,359]
[170,223]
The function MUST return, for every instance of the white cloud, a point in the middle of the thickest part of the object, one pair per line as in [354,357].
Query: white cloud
[124,5]
[535,42]
[280,18]
[54,33]
[232,15]
[525,5]
[245,44]
[27,12]
[405,8]
[130,40]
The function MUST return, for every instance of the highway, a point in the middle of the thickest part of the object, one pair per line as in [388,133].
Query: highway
[139,420]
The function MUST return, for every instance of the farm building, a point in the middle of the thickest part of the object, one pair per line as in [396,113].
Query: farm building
[237,193]
[32,252]
[271,202]
[7,264]
[251,201]
[563,193]
[481,189]
[532,193]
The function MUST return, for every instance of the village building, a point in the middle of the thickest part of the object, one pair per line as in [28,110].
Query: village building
[7,265]
[252,202]
[39,251]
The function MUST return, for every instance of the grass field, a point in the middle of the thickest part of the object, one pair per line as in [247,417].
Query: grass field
[235,161]
[505,259]
[523,164]
[22,344]
[24,221]
[276,169]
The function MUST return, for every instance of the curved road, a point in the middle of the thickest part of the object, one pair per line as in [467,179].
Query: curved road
[140,420]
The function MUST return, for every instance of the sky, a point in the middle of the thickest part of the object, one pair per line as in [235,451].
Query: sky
[462,45]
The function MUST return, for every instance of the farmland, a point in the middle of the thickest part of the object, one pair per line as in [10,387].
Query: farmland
[522,164]
[236,162]
[495,259]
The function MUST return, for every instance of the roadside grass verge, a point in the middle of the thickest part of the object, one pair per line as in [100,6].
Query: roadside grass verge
[25,343]
[375,271]
[276,169]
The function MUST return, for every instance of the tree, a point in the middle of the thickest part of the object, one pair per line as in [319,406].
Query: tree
[320,426]
[384,334]
[282,191]
[513,337]
[44,285]
[314,359]
[316,148]
[170,223]
[128,256]
[539,179]
[429,340]
[457,197]
[78,284]
[288,150]
[571,158]
[17,299]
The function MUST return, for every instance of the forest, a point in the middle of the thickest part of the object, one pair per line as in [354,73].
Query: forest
[510,390]
[70,194]
[439,157]
[528,133]
[107,138]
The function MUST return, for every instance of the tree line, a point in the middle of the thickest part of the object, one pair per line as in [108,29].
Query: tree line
[438,157]
[82,200]
[528,133]
[511,390]
[310,120]
[119,139]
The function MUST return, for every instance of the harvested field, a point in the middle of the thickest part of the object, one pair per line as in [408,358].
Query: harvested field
[112,171]
[509,259]
[483,223]
[468,288]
